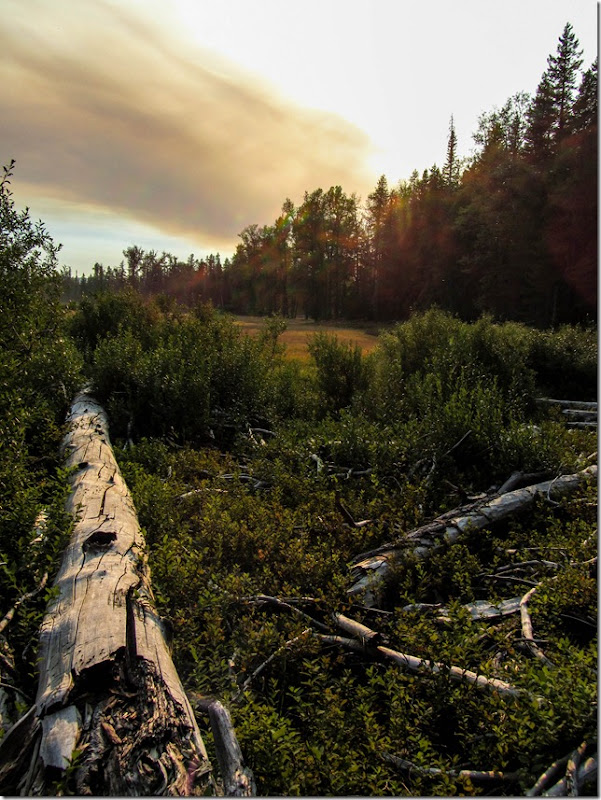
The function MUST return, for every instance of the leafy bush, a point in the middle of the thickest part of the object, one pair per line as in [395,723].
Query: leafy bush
[40,370]
[565,361]
[341,371]
[188,375]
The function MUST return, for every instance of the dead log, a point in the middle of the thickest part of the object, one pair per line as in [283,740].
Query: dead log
[369,569]
[238,779]
[109,700]
[577,413]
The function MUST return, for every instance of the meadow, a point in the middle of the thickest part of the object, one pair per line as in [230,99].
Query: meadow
[299,331]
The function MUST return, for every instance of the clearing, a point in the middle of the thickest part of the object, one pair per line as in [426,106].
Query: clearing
[300,330]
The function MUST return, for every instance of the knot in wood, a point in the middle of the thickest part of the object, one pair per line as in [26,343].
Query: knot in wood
[99,540]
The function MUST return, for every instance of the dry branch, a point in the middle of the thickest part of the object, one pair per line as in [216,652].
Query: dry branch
[107,687]
[11,612]
[471,774]
[416,664]
[238,779]
[286,646]
[527,631]
[369,569]
[576,773]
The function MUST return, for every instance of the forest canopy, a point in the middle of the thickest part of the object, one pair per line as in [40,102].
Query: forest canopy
[511,231]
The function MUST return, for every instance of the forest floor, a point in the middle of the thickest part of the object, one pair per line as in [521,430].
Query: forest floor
[299,331]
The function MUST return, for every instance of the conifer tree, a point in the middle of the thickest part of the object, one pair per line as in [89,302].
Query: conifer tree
[563,71]
[450,170]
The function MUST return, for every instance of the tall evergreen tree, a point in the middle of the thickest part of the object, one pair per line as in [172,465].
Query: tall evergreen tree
[451,168]
[551,111]
[563,71]
[586,106]
[541,117]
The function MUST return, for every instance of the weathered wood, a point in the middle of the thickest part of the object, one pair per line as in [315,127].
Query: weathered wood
[527,631]
[479,609]
[416,664]
[107,688]
[584,405]
[362,633]
[471,774]
[576,773]
[369,569]
[238,779]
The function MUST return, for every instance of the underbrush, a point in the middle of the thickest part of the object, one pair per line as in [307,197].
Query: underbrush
[315,719]
[258,481]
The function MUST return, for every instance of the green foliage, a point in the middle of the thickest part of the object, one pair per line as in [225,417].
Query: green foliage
[184,375]
[565,361]
[341,371]
[108,313]
[328,715]
[40,370]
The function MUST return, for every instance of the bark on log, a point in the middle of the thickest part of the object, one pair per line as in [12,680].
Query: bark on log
[369,569]
[238,779]
[108,691]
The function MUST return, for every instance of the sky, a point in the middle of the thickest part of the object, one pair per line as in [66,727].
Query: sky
[174,124]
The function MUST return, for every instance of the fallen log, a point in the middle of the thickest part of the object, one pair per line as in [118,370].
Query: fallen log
[584,405]
[110,707]
[369,569]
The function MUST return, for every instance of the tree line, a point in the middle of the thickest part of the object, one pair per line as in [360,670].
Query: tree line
[512,231]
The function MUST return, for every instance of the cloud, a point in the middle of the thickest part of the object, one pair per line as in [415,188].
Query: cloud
[102,104]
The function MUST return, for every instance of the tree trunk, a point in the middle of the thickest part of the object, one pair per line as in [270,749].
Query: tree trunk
[110,716]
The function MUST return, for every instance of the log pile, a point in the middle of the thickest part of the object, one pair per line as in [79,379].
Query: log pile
[577,413]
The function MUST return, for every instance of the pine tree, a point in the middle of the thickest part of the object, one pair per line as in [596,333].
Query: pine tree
[540,116]
[585,107]
[450,170]
[563,71]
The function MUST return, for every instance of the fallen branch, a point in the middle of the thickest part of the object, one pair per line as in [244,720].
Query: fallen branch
[238,779]
[369,569]
[416,664]
[255,674]
[11,612]
[264,599]
[479,609]
[527,631]
[347,514]
[575,775]
[471,774]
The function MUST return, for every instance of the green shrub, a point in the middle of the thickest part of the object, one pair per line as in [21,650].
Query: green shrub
[565,361]
[40,371]
[341,370]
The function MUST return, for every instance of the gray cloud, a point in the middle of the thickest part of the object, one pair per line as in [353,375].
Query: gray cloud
[104,107]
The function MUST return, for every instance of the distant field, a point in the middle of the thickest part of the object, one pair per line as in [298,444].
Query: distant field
[299,331]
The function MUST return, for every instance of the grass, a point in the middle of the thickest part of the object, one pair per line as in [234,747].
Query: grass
[299,331]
